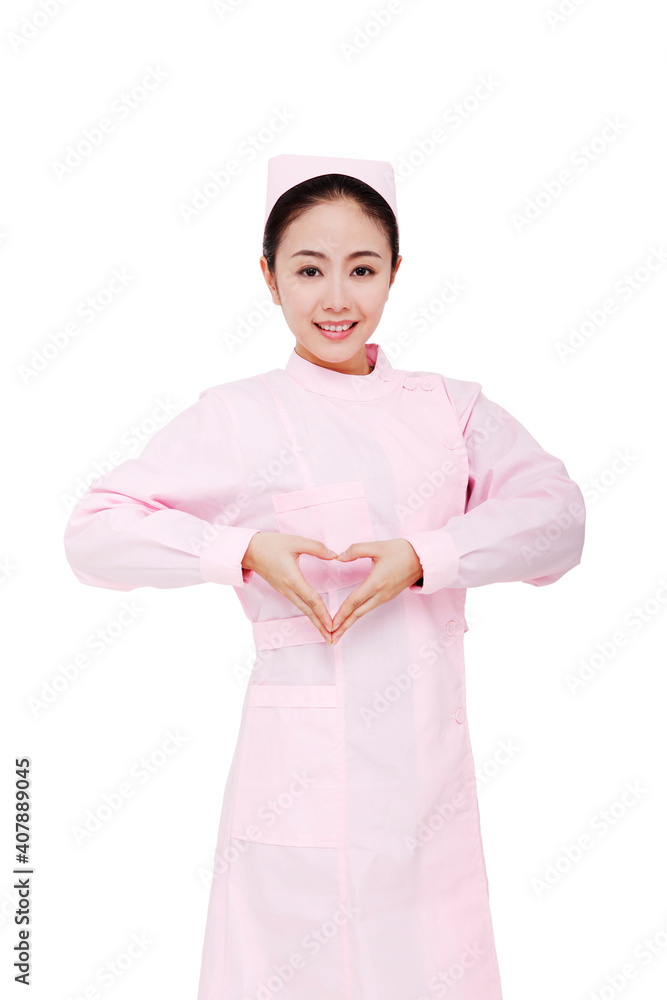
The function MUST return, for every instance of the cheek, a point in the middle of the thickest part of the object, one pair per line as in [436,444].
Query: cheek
[372,301]
[297,297]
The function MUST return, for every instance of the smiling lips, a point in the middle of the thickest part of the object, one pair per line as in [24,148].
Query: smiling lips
[336,331]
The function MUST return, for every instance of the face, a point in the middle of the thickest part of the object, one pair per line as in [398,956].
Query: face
[332,270]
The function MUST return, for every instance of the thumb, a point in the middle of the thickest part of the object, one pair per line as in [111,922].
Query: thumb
[355,551]
[314,548]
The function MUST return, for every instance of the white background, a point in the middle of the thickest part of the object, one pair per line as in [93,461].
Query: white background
[219,76]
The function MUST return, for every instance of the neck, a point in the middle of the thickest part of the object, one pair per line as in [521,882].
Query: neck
[357,365]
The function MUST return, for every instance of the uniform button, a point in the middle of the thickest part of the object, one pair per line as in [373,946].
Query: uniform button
[450,627]
[427,383]
[410,383]
[460,715]
[387,376]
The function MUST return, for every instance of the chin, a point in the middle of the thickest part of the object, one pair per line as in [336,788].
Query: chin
[319,344]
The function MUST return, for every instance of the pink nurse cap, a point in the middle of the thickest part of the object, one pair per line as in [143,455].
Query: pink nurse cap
[288,169]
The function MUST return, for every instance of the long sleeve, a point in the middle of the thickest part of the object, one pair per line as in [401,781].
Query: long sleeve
[166,519]
[524,518]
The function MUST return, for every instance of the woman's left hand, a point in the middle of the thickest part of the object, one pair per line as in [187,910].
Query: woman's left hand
[395,567]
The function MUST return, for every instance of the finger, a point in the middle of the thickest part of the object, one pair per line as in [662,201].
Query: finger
[359,550]
[309,594]
[366,589]
[312,547]
[302,605]
[314,601]
[299,584]
[346,609]
[354,616]
[311,599]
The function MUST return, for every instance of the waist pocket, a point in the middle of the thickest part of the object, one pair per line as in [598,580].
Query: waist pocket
[336,514]
[287,781]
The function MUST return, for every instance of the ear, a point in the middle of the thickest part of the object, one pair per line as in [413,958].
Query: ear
[393,277]
[270,280]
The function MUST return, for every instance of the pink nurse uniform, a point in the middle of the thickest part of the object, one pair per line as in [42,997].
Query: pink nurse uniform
[349,861]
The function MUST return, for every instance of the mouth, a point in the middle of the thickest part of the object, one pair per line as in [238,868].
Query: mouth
[336,331]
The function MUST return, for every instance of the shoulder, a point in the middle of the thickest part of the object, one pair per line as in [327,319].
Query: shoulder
[462,393]
[238,390]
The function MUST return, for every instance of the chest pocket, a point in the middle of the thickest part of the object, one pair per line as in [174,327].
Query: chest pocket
[336,514]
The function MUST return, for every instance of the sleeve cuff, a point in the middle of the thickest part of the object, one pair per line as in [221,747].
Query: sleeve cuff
[220,559]
[439,558]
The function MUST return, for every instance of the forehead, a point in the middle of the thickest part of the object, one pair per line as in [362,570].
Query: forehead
[336,227]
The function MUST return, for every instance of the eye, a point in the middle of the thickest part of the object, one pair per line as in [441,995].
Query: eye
[311,267]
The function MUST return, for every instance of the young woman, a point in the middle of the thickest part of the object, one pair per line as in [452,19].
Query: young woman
[350,503]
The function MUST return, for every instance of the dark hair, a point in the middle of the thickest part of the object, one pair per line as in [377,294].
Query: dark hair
[327,187]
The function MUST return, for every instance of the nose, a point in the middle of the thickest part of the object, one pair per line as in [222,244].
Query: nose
[336,296]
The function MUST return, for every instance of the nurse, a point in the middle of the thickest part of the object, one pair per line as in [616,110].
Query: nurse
[332,297]
[349,863]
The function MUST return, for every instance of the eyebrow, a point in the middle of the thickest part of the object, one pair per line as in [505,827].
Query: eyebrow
[323,256]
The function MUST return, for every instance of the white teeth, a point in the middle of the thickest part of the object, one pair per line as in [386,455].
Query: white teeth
[335,329]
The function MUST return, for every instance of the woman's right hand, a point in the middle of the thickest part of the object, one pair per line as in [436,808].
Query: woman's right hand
[275,556]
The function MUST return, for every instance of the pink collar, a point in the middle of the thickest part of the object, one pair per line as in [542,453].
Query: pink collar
[327,382]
